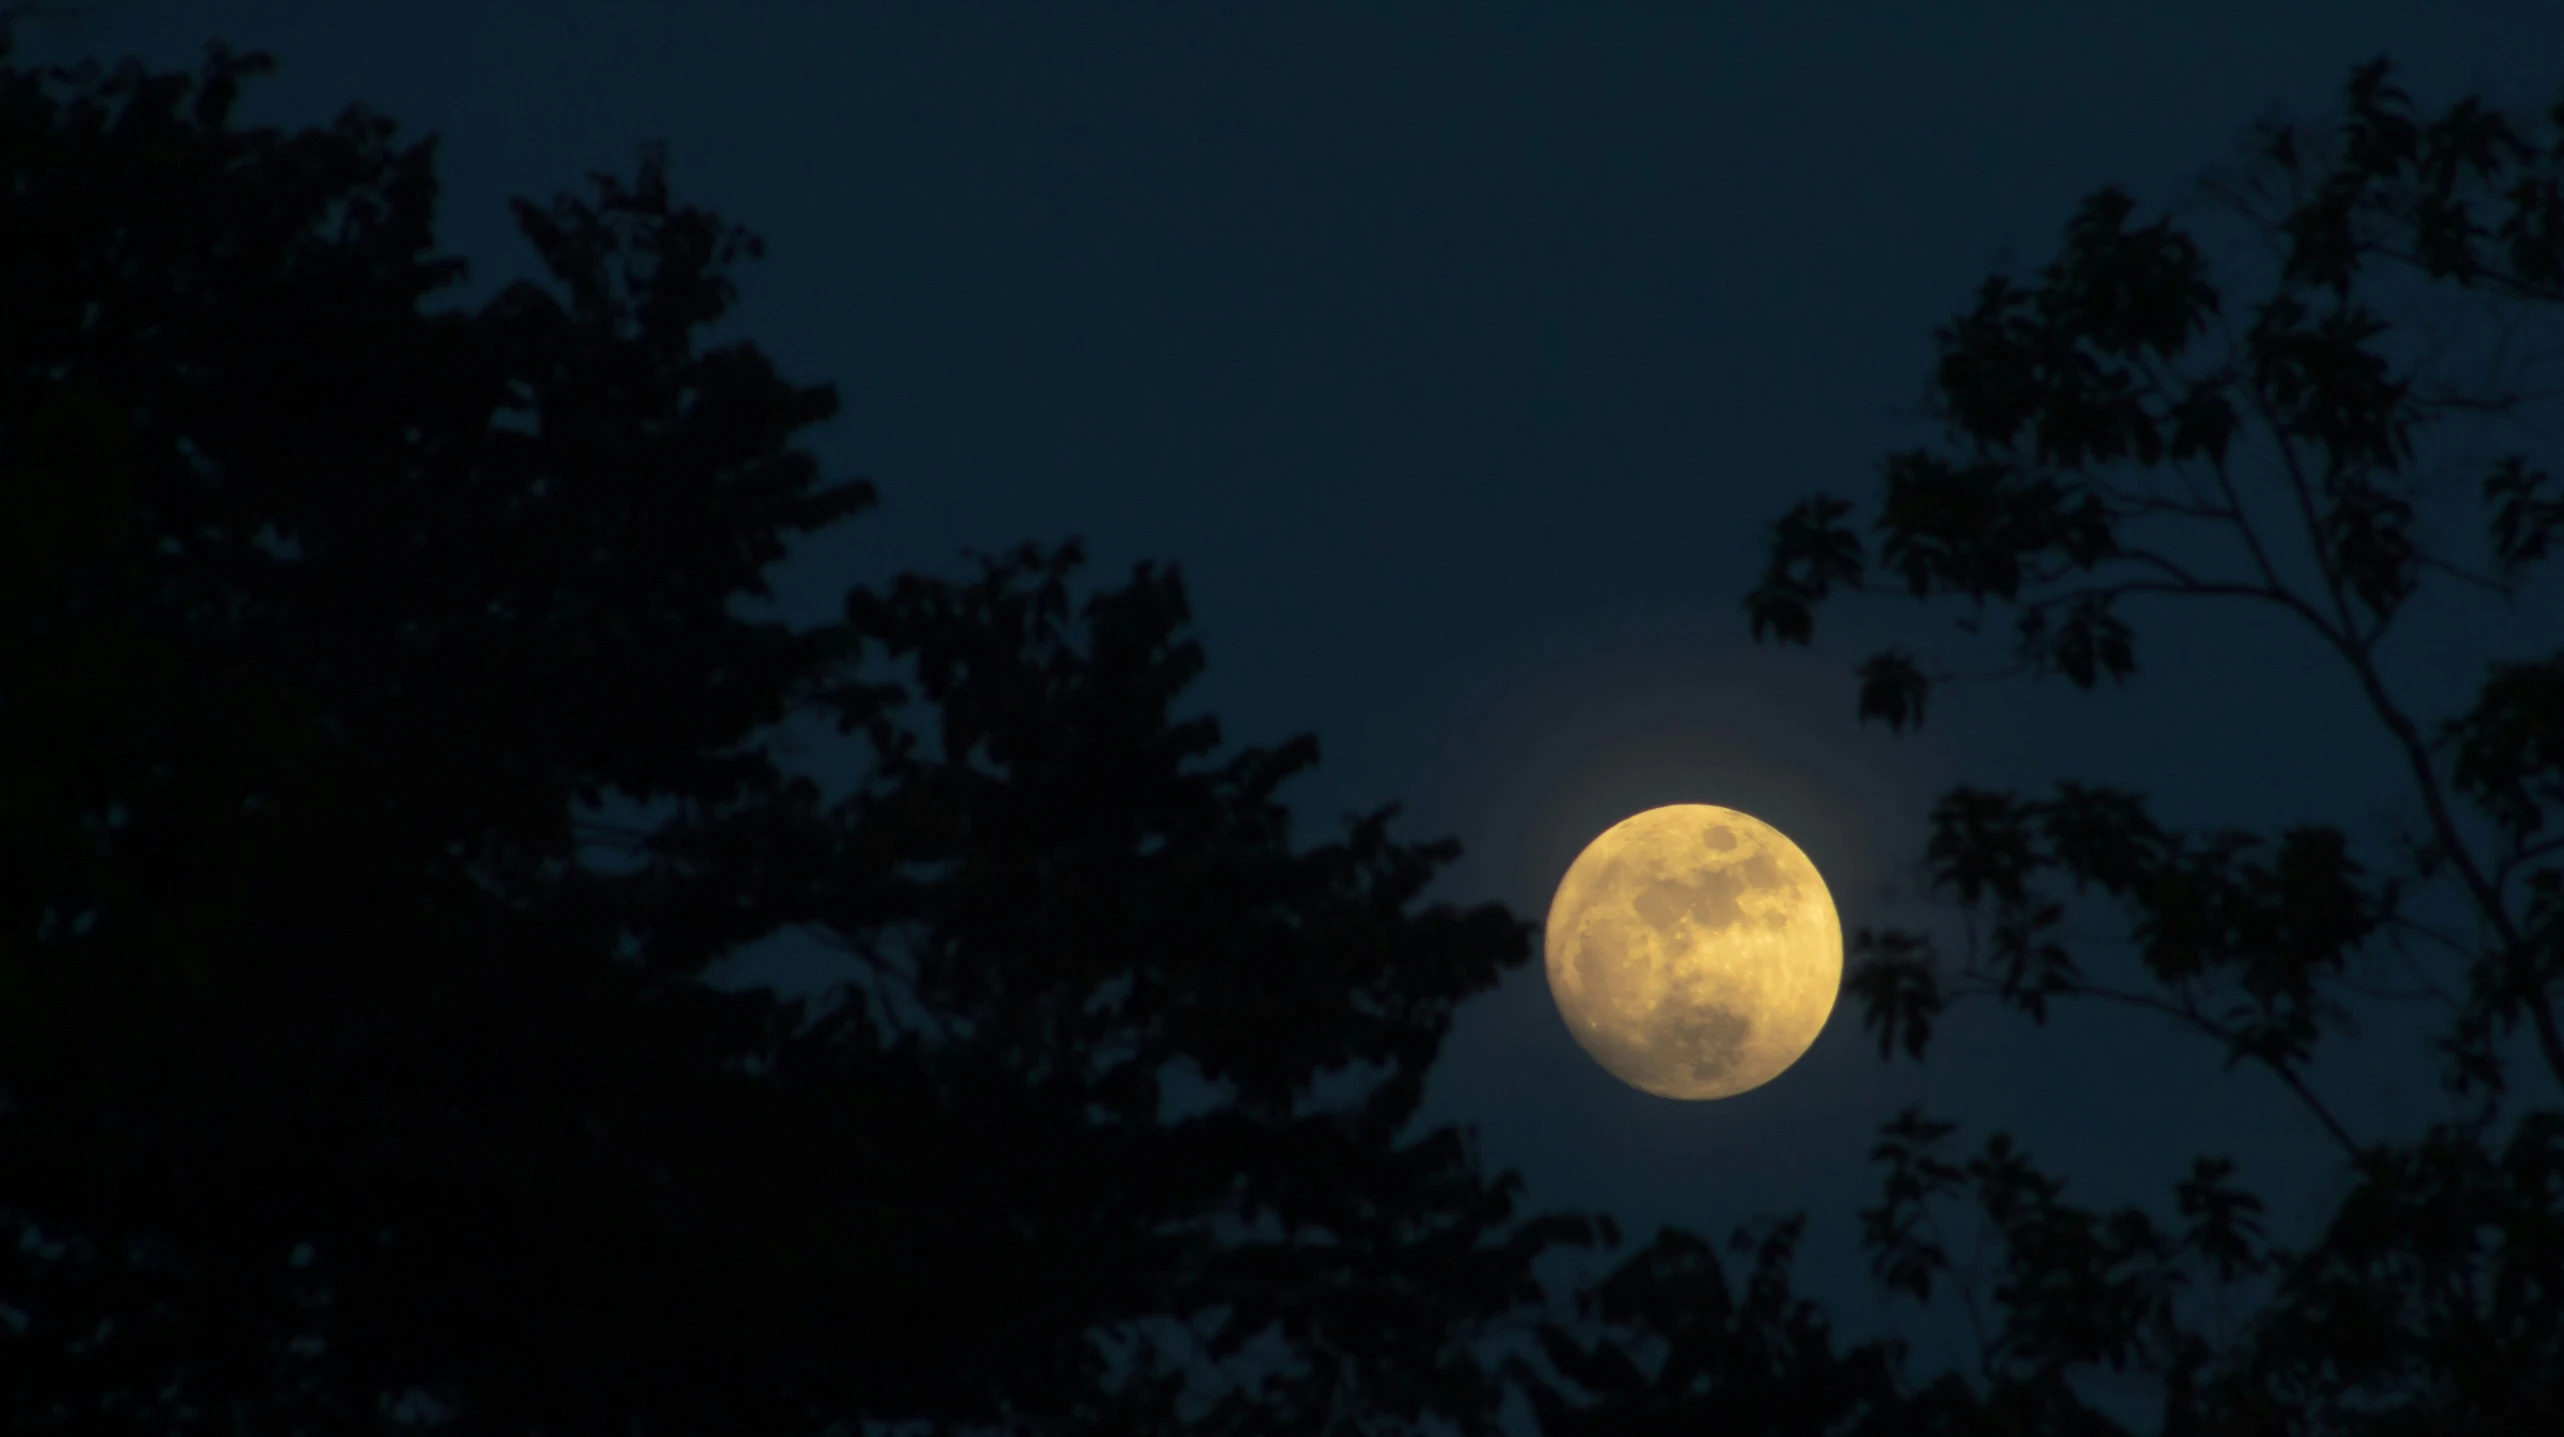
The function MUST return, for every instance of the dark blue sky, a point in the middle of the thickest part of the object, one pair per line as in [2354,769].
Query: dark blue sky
[1460,354]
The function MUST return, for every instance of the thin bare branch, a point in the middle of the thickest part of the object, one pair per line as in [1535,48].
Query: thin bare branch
[2467,576]
[2261,558]
[2399,923]
[2304,493]
[2391,995]
[2191,588]
[2506,285]
[2524,855]
[2146,506]
[2186,1012]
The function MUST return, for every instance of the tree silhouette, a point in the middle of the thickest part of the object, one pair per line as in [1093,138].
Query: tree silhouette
[337,1092]
[2102,422]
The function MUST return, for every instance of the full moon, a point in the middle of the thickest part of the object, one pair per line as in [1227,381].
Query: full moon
[1694,951]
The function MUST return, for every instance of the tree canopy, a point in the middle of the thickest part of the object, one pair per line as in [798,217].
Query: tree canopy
[2119,436]
[339,1091]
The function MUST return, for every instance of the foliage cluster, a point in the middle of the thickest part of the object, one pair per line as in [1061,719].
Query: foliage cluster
[2102,426]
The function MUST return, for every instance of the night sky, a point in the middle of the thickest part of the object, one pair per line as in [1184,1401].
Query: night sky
[1461,355]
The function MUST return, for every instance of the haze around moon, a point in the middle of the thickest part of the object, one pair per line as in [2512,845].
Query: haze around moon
[1694,951]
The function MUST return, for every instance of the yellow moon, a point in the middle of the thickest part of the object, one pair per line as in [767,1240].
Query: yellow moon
[1694,951]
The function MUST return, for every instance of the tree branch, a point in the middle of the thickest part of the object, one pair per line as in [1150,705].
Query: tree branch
[2185,586]
[2356,651]
[2261,557]
[2463,575]
[2305,496]
[2190,1014]
[2151,505]
[2500,283]
[2488,898]
[2412,966]
[2526,853]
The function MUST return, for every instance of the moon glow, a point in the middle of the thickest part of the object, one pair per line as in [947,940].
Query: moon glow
[1694,951]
